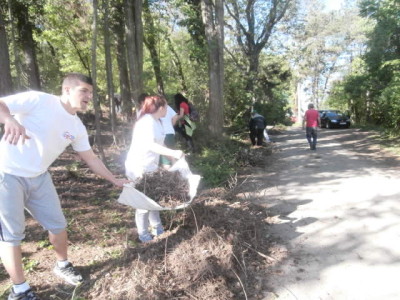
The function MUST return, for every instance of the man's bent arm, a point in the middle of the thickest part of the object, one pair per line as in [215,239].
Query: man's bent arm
[98,167]
[13,131]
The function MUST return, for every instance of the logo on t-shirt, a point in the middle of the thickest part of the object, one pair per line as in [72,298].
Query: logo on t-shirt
[68,136]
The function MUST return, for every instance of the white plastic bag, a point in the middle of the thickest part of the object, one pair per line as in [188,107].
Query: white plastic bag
[266,135]
[136,199]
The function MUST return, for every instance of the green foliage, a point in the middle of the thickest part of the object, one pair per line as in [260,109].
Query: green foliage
[372,90]
[389,101]
[45,244]
[272,92]
[29,265]
[217,162]
[192,21]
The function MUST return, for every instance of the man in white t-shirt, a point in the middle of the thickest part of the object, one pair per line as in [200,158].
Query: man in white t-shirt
[37,129]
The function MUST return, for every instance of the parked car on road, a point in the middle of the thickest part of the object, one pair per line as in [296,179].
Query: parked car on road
[322,111]
[334,119]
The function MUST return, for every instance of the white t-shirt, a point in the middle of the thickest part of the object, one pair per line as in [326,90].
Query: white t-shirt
[140,158]
[50,128]
[167,121]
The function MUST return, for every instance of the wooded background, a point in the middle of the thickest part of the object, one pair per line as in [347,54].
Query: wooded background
[226,56]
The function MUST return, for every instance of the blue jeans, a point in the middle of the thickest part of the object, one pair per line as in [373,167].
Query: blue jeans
[311,134]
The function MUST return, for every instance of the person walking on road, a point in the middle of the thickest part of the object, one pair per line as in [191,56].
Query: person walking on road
[257,125]
[37,129]
[312,120]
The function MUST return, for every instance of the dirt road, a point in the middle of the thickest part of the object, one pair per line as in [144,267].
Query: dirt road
[338,215]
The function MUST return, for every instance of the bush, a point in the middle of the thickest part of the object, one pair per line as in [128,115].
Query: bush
[217,162]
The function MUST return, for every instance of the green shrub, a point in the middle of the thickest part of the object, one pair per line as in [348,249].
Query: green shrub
[217,162]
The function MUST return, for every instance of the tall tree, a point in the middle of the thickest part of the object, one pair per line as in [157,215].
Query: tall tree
[17,61]
[68,33]
[150,40]
[109,69]
[323,46]
[94,78]
[6,86]
[178,65]
[213,18]
[254,21]
[118,27]
[25,31]
[134,41]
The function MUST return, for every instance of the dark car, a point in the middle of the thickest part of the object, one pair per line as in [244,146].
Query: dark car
[322,111]
[334,119]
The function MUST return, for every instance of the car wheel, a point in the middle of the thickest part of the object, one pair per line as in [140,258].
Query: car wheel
[328,125]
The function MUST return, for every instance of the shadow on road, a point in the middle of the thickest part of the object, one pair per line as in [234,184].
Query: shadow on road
[336,211]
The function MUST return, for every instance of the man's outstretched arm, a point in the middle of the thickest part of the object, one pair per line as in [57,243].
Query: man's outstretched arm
[97,166]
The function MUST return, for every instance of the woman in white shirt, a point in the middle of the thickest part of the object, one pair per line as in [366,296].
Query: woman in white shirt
[144,157]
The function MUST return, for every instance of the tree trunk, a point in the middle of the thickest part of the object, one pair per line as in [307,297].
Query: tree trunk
[96,104]
[252,74]
[125,91]
[214,26]
[151,44]
[109,72]
[25,30]
[134,40]
[250,40]
[178,64]
[17,61]
[6,86]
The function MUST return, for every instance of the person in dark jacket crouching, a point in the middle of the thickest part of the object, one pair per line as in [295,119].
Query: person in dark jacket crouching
[257,125]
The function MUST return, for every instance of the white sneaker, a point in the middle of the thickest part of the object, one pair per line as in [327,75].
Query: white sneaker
[69,274]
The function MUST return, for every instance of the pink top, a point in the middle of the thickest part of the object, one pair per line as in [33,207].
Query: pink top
[311,117]
[185,107]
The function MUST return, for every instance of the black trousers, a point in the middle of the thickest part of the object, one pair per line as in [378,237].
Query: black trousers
[256,136]
[188,139]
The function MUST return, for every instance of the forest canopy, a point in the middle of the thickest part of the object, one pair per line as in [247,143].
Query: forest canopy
[226,56]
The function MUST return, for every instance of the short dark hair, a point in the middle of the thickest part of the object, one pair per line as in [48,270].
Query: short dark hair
[141,98]
[71,79]
[310,106]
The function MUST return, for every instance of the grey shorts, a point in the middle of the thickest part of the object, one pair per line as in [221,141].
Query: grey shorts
[38,196]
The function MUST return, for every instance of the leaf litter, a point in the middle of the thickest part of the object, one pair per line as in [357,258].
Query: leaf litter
[215,249]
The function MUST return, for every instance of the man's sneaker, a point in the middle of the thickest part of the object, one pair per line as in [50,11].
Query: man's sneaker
[157,231]
[69,274]
[27,295]
[145,238]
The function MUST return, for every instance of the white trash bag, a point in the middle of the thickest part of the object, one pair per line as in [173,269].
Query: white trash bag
[266,135]
[136,199]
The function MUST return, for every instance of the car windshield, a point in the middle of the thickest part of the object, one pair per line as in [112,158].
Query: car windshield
[333,114]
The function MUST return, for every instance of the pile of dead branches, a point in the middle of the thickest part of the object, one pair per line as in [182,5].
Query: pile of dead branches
[169,189]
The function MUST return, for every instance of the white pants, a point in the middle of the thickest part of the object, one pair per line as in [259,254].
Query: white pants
[146,218]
